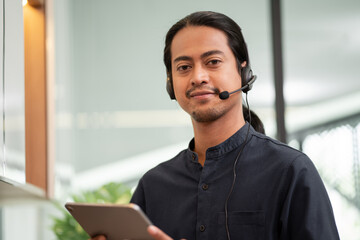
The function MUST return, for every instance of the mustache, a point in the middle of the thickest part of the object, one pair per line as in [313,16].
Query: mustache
[199,88]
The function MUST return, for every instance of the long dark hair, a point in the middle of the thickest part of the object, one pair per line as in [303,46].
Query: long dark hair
[219,21]
[255,122]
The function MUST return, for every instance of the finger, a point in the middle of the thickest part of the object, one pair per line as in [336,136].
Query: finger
[157,234]
[98,237]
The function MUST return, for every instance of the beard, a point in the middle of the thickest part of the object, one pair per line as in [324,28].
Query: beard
[208,115]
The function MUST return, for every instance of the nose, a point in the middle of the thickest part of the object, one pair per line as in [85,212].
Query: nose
[200,76]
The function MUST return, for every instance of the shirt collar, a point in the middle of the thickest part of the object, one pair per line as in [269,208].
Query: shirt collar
[227,146]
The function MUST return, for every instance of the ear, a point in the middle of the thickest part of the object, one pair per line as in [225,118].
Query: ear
[169,87]
[243,64]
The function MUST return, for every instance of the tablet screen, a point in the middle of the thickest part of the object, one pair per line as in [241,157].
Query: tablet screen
[115,221]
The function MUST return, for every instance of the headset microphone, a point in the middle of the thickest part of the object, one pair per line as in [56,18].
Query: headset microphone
[225,94]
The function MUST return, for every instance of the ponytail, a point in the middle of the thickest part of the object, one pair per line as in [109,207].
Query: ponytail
[255,120]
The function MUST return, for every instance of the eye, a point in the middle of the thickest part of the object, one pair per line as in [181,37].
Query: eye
[214,62]
[183,68]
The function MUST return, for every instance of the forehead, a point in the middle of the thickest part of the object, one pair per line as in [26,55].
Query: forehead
[195,40]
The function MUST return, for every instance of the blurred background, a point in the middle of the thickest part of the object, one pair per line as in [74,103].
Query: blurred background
[113,119]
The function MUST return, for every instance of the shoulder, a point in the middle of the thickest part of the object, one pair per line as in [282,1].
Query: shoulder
[271,152]
[167,167]
[152,181]
[273,146]
[294,166]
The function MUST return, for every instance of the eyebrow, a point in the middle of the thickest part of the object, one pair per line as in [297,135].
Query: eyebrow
[212,52]
[182,58]
[204,55]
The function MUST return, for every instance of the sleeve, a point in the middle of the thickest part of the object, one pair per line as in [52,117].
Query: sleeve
[306,213]
[139,196]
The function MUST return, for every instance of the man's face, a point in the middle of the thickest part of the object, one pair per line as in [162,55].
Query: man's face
[203,65]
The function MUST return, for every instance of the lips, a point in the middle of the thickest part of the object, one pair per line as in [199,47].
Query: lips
[201,92]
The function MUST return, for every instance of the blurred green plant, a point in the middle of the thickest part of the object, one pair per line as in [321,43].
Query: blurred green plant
[66,227]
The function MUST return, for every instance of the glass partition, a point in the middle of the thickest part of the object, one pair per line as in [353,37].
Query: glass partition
[321,77]
[114,117]
[12,111]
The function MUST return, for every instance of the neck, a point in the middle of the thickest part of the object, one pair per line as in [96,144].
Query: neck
[209,134]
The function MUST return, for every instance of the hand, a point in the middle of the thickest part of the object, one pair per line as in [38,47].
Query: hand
[157,234]
[99,237]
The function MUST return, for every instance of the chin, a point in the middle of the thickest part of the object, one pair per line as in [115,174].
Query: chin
[207,116]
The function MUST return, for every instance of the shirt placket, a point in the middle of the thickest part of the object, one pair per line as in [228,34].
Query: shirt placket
[204,201]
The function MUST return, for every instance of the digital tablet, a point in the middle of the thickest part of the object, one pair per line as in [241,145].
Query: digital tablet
[115,221]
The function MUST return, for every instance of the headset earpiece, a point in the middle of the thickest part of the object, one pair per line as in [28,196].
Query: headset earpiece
[246,78]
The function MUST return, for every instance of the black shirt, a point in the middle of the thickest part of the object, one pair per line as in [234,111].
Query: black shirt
[278,193]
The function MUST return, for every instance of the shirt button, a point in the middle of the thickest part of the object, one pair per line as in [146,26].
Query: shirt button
[202,228]
[205,187]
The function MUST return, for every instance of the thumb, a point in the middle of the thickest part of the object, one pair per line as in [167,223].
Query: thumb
[157,234]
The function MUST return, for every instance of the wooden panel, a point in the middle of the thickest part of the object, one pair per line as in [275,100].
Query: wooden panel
[35,97]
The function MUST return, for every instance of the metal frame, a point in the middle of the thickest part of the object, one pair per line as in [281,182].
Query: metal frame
[278,69]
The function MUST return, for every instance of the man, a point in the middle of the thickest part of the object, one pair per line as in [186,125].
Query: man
[232,182]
